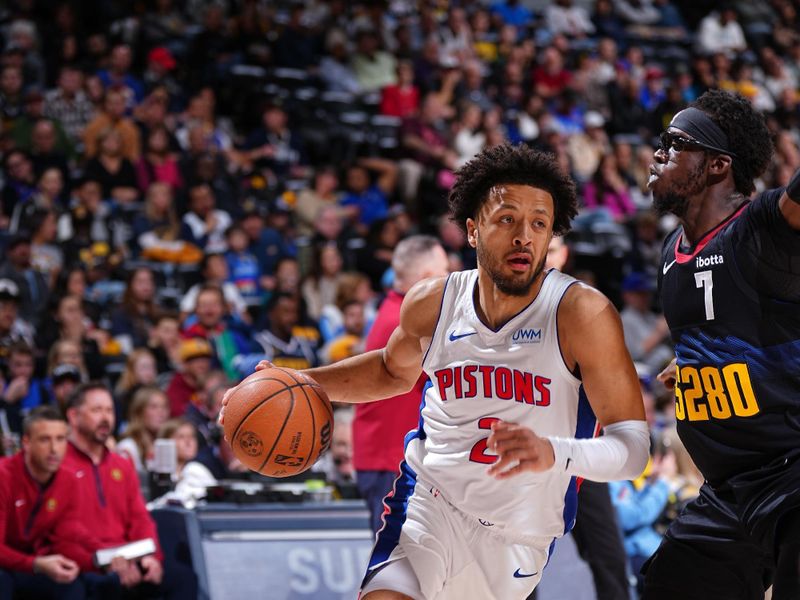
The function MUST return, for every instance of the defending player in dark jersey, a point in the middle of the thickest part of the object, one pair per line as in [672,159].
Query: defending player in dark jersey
[730,286]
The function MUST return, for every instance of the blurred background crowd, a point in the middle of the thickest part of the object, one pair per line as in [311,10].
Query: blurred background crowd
[189,186]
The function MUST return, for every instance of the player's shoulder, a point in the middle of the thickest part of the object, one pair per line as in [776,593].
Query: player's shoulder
[582,305]
[421,306]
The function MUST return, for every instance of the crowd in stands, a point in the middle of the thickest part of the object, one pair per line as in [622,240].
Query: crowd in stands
[190,186]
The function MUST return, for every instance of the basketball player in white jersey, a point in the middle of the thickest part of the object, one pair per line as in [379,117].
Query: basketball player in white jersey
[520,361]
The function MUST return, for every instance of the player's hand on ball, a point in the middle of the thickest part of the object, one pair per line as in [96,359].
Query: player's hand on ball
[264,364]
[518,449]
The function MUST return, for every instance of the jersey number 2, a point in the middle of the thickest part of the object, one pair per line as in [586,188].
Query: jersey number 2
[704,279]
[478,452]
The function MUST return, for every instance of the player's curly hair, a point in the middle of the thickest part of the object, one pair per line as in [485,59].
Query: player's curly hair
[747,133]
[512,164]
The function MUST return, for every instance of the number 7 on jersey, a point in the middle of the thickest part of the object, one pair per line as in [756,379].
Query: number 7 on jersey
[704,279]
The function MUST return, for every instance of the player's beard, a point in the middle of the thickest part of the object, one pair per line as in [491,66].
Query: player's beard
[511,286]
[675,199]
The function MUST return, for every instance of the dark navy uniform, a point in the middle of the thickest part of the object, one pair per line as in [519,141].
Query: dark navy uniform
[732,302]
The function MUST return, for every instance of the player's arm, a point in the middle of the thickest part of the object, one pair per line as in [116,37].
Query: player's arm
[591,337]
[790,202]
[396,368]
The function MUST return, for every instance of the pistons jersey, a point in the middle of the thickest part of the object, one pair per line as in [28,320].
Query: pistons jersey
[479,375]
[732,302]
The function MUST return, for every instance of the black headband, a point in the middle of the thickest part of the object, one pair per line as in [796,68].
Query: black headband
[702,128]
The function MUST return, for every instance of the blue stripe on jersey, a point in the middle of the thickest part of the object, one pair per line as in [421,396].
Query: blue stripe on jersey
[419,432]
[396,502]
[696,347]
[584,429]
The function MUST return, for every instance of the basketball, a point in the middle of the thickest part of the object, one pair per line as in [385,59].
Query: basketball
[278,421]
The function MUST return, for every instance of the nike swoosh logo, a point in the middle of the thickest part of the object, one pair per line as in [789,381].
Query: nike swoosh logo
[519,575]
[454,337]
[668,266]
[569,460]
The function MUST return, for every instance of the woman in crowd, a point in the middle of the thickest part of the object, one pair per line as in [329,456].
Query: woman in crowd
[148,412]
[140,371]
[132,321]
[320,286]
[191,477]
[115,173]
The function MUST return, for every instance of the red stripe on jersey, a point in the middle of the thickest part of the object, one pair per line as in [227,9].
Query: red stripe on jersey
[682,257]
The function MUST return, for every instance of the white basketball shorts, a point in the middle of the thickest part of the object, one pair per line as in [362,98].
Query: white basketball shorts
[450,555]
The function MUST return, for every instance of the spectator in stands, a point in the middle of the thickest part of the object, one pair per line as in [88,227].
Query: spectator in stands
[353,285]
[11,82]
[68,103]
[370,201]
[513,12]
[196,355]
[46,256]
[147,412]
[113,504]
[42,552]
[607,192]
[572,21]
[158,163]
[425,148]
[165,342]
[113,117]
[64,379]
[136,315]
[379,427]
[118,75]
[587,149]
[48,196]
[22,391]
[31,284]
[113,169]
[284,341]
[243,268]
[374,68]
[325,192]
[320,286]
[296,45]
[157,228]
[205,225]
[351,341]
[140,371]
[375,257]
[720,32]
[203,415]
[229,338]
[646,332]
[20,182]
[49,147]
[191,477]
[214,270]
[334,67]
[401,99]
[14,330]
[67,352]
[67,322]
[87,217]
[639,505]
[275,146]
